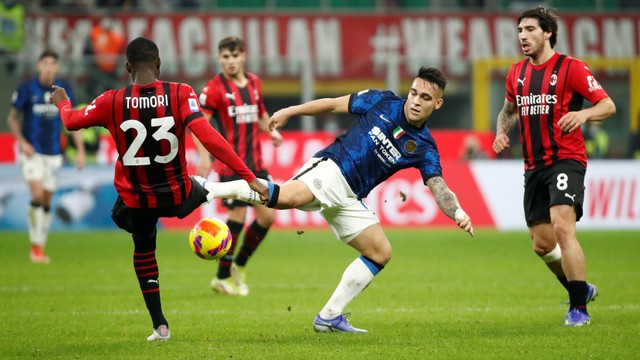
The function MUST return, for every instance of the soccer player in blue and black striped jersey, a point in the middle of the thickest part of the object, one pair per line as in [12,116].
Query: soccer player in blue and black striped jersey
[389,135]
[39,140]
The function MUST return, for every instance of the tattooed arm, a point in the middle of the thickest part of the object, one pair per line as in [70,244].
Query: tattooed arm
[448,203]
[506,121]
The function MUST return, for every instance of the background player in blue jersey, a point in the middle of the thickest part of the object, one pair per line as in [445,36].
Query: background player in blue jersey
[39,139]
[390,135]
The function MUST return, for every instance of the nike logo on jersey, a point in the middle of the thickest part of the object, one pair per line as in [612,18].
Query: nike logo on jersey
[384,119]
[570,196]
[521,81]
[230,96]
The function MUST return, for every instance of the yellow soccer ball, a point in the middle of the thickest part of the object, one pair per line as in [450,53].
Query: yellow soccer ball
[210,239]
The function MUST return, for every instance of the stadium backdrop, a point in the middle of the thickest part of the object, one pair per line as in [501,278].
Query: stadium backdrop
[490,190]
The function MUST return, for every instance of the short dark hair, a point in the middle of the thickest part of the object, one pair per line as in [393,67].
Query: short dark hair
[49,53]
[433,75]
[547,19]
[231,43]
[142,50]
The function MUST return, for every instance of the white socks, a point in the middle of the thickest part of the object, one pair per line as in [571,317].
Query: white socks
[34,219]
[238,189]
[354,280]
[39,222]
[45,226]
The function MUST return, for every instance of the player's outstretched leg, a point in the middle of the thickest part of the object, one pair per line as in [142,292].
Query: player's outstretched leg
[238,189]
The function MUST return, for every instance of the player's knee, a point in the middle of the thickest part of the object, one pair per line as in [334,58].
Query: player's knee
[549,254]
[541,248]
[382,253]
[386,255]
[293,194]
[37,197]
[562,230]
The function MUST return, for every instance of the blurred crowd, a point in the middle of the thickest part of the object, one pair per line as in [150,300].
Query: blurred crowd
[370,5]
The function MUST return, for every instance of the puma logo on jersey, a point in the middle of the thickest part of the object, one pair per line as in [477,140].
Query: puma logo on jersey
[521,81]
[230,96]
[572,197]
[152,281]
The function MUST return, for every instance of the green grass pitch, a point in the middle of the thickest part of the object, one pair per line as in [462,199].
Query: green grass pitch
[444,295]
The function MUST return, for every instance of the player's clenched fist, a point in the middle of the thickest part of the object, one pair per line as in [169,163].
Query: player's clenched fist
[500,143]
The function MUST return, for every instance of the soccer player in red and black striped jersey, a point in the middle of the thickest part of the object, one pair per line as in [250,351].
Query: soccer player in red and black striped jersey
[233,102]
[147,121]
[545,93]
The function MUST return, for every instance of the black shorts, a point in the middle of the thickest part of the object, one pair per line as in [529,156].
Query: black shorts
[143,221]
[233,203]
[559,184]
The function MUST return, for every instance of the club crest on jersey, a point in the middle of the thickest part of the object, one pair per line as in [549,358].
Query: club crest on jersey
[410,146]
[193,105]
[554,80]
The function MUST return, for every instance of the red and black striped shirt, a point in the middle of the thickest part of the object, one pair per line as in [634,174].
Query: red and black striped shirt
[148,126]
[236,113]
[543,94]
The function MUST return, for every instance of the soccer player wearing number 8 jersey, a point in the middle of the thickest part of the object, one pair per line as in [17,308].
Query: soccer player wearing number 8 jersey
[147,121]
[545,92]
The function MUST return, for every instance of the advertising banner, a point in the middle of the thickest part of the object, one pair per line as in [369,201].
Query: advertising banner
[491,191]
[339,46]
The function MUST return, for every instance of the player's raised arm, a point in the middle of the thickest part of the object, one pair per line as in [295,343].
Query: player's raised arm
[448,203]
[339,105]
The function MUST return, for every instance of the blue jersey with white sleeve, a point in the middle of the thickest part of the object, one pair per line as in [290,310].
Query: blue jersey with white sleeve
[41,123]
[381,142]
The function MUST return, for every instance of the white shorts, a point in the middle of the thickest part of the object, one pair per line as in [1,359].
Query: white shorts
[44,168]
[346,215]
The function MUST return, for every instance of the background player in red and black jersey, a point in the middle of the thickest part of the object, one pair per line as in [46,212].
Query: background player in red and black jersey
[545,92]
[233,102]
[147,121]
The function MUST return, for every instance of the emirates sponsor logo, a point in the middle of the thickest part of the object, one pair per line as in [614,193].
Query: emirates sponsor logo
[535,104]
[244,114]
